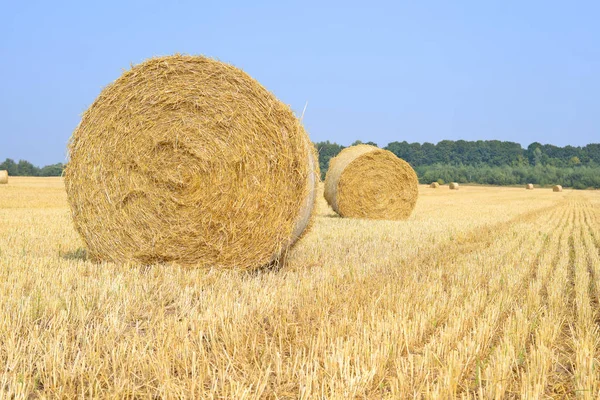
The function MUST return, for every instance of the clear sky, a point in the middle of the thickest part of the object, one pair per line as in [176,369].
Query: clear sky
[376,71]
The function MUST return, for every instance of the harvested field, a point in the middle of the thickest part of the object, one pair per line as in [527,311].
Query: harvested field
[485,292]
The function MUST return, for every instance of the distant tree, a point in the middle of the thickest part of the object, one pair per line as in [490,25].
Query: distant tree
[327,151]
[429,152]
[592,152]
[10,166]
[52,170]
[26,168]
[537,156]
[445,150]
[357,142]
[402,150]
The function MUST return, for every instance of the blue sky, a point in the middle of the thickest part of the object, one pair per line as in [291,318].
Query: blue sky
[379,71]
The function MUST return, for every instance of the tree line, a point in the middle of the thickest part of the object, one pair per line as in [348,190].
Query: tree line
[492,162]
[25,168]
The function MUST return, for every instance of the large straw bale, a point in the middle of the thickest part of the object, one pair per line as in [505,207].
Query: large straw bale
[189,160]
[367,182]
[454,186]
[529,186]
[557,188]
[434,185]
[3,177]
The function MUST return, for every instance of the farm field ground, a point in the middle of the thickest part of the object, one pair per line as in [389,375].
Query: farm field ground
[484,292]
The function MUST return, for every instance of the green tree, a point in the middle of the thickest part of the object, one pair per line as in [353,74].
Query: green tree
[327,151]
[10,166]
[52,170]
[26,168]
[537,156]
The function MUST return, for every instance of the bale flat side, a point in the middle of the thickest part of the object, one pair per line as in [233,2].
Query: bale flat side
[373,184]
[188,160]
[337,165]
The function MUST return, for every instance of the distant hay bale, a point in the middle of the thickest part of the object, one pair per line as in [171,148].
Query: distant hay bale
[3,177]
[367,182]
[529,186]
[454,186]
[189,160]
[557,188]
[434,185]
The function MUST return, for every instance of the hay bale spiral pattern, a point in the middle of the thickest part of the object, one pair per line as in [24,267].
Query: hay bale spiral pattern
[189,160]
[367,182]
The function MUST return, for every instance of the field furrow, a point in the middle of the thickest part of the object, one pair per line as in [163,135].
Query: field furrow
[452,354]
[481,342]
[499,375]
[537,361]
[584,331]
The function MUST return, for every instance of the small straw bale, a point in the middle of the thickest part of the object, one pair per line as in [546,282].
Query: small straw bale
[454,186]
[367,182]
[529,186]
[3,177]
[557,188]
[188,160]
[434,185]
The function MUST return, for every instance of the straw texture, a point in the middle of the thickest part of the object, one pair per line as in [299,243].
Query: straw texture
[434,185]
[557,188]
[529,186]
[189,160]
[367,182]
[3,177]
[454,186]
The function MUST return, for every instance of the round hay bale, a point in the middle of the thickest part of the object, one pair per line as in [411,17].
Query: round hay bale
[557,188]
[367,182]
[188,160]
[454,186]
[3,177]
[434,185]
[529,186]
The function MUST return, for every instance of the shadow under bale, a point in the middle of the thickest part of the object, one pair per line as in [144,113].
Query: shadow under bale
[80,254]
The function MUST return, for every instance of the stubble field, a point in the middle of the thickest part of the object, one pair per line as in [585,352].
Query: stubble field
[483,292]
